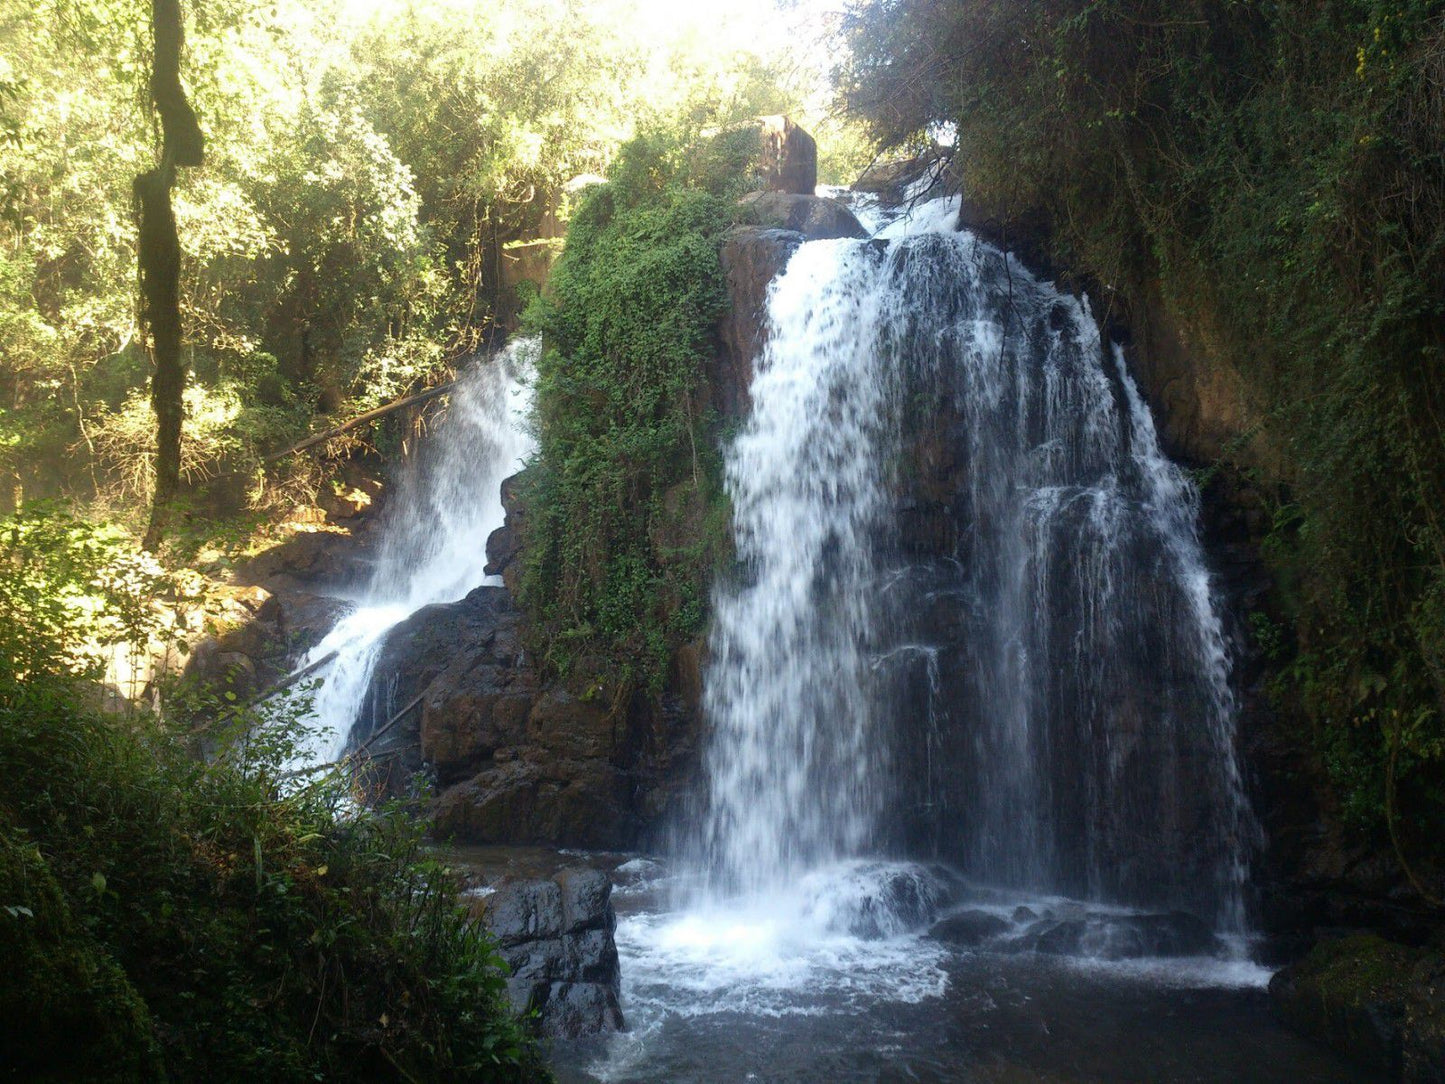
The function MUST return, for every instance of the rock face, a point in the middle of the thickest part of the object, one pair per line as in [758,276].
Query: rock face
[557,939]
[789,159]
[568,763]
[1380,1004]
[751,257]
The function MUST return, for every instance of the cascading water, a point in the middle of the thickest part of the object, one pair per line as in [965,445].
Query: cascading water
[433,542]
[970,621]
[1080,722]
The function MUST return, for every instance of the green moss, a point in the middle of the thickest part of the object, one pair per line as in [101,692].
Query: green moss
[625,511]
[1359,969]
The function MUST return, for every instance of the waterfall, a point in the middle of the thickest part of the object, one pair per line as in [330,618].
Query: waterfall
[1077,732]
[433,539]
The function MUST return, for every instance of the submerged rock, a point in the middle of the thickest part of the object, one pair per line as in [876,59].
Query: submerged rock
[968,928]
[557,938]
[1120,937]
[1378,1003]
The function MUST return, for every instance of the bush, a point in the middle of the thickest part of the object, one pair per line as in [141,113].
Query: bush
[217,920]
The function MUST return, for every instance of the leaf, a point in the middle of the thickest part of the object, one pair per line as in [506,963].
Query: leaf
[98,882]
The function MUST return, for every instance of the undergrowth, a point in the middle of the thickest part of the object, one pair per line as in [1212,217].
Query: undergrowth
[166,918]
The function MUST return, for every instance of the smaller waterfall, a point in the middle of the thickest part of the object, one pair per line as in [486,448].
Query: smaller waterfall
[433,544]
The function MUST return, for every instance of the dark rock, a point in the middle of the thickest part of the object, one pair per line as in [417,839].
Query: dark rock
[817,218]
[789,157]
[1024,914]
[890,180]
[1378,1003]
[968,928]
[751,257]
[1120,937]
[557,939]
[574,1009]
[528,911]
[308,561]
[585,900]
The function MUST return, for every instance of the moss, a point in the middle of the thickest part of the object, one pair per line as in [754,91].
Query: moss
[624,498]
[1375,1001]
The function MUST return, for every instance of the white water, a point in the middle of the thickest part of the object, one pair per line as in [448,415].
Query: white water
[1090,747]
[434,541]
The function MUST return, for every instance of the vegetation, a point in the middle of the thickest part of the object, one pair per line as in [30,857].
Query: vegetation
[625,512]
[1275,171]
[163,917]
[380,181]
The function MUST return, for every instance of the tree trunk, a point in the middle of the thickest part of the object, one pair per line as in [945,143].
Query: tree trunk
[159,256]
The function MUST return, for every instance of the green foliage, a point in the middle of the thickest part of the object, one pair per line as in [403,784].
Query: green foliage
[625,513]
[368,181]
[1275,172]
[164,917]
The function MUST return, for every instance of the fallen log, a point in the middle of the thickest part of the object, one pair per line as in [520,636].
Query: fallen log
[361,419]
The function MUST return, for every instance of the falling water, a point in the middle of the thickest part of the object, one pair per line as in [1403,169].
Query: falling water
[1080,729]
[433,543]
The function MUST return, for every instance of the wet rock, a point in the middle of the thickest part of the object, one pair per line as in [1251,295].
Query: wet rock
[1378,1003]
[751,257]
[875,901]
[557,939]
[968,928]
[525,911]
[1119,937]
[817,218]
[1022,915]
[892,180]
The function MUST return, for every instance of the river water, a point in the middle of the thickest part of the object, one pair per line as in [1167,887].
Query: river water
[729,995]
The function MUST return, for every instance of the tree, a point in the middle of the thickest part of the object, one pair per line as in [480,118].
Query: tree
[159,254]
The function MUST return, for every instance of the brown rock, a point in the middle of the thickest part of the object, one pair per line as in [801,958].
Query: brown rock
[817,218]
[751,257]
[789,158]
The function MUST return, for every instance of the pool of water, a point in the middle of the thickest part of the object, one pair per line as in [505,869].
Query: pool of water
[780,989]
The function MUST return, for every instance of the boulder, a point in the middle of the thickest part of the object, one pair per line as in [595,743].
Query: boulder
[788,158]
[533,798]
[1380,1004]
[968,928]
[817,218]
[556,937]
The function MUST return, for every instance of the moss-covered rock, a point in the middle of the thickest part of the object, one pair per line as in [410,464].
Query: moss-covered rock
[67,1011]
[1379,1003]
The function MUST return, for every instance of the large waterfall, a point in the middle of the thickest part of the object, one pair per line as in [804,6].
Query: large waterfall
[1042,692]
[433,540]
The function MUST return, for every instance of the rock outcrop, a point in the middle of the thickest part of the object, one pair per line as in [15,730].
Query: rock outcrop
[1380,1004]
[789,157]
[557,939]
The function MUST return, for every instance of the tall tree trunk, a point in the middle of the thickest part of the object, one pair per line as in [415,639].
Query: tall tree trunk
[159,255]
